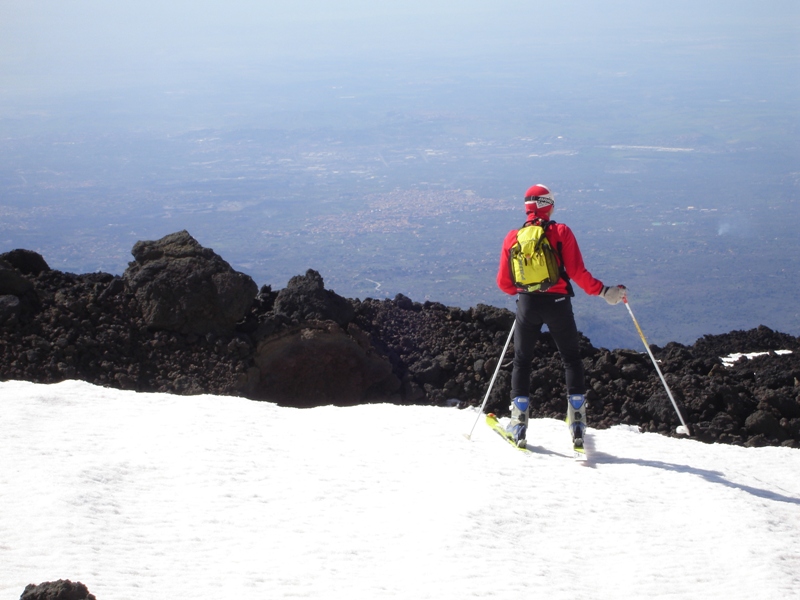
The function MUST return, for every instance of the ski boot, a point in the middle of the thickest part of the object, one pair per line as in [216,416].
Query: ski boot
[518,427]
[576,418]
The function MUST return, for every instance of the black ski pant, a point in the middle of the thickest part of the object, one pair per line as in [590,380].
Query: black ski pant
[533,311]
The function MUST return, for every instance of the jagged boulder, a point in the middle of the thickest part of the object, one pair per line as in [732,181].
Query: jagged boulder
[18,298]
[763,423]
[63,589]
[11,281]
[10,308]
[26,262]
[492,316]
[305,299]
[183,287]
[319,364]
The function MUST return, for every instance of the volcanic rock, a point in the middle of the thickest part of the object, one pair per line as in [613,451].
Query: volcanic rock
[183,287]
[320,363]
[763,423]
[11,281]
[17,297]
[305,299]
[26,262]
[10,308]
[63,589]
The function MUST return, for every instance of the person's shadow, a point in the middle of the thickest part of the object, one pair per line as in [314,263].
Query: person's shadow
[710,476]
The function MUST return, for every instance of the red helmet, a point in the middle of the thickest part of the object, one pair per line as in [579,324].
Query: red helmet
[539,201]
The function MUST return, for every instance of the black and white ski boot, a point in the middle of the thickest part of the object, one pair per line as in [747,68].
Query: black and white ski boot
[576,418]
[518,426]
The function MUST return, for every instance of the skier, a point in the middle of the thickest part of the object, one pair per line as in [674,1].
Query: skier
[553,308]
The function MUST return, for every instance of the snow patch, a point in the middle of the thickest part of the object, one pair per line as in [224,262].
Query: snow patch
[731,359]
[628,428]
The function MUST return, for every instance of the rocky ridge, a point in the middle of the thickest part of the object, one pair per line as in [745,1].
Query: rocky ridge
[63,589]
[181,320]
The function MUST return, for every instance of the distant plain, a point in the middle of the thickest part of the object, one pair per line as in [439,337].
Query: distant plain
[676,163]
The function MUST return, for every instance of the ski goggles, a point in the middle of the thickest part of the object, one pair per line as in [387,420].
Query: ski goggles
[540,201]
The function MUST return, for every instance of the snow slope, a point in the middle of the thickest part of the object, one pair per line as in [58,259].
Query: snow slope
[158,496]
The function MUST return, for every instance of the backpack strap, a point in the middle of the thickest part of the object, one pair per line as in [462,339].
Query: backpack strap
[538,221]
[563,271]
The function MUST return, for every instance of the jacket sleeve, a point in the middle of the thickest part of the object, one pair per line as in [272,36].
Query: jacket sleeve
[573,262]
[504,280]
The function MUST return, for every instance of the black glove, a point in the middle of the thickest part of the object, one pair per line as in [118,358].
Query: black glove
[615,294]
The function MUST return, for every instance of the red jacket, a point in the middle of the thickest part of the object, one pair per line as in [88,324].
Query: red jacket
[572,262]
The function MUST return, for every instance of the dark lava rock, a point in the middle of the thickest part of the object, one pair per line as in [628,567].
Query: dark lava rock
[11,281]
[321,364]
[182,321]
[26,261]
[63,589]
[305,299]
[184,287]
[763,423]
[18,300]
[10,308]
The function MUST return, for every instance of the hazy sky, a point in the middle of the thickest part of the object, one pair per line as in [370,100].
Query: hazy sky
[51,45]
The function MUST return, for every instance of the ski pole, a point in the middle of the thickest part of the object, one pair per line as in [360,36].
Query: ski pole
[681,429]
[491,383]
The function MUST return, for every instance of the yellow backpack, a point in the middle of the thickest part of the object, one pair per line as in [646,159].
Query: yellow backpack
[534,265]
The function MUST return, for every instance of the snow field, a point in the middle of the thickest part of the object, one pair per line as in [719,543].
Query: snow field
[141,495]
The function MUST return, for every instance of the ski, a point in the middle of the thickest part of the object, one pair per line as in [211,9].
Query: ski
[491,421]
[578,451]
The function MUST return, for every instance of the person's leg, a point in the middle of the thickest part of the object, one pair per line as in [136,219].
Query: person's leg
[561,323]
[527,330]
